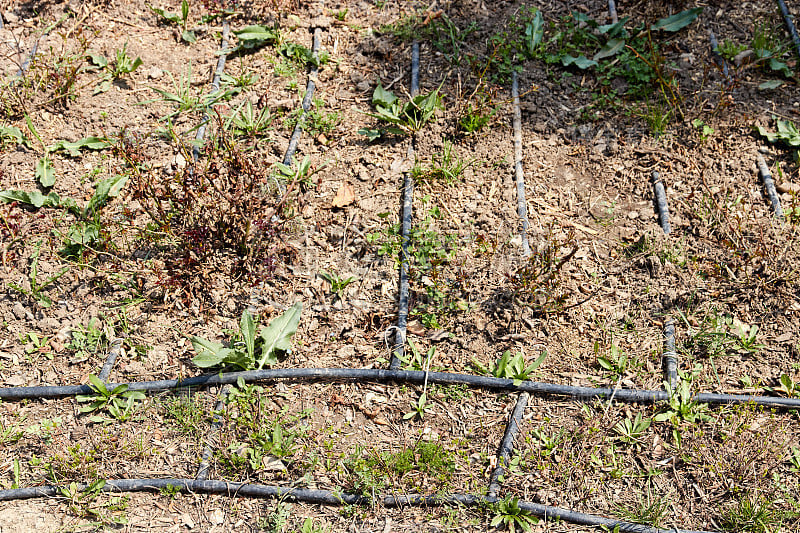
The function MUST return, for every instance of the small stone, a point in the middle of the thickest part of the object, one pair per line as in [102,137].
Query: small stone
[216,517]
[633,214]
[155,73]
[19,311]
[364,86]
[187,521]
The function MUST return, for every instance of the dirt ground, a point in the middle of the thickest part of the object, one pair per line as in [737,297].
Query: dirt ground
[182,248]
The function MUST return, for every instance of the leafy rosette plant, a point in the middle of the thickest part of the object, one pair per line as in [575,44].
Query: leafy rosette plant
[251,352]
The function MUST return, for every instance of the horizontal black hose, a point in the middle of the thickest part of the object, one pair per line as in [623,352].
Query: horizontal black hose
[544,511]
[669,358]
[507,445]
[660,201]
[325,497]
[769,185]
[790,25]
[407,376]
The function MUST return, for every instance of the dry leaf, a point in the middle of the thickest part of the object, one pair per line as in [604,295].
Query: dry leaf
[344,196]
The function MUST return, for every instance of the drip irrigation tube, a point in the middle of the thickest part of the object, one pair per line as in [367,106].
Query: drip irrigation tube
[408,376]
[669,359]
[544,511]
[398,353]
[612,11]
[205,461]
[507,446]
[660,200]
[789,24]
[201,130]
[307,98]
[718,59]
[519,176]
[116,348]
[769,185]
[326,497]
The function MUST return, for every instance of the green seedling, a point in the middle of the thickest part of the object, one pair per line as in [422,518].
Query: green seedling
[508,513]
[303,174]
[118,402]
[794,459]
[787,386]
[419,408]
[251,352]
[181,20]
[122,66]
[650,509]
[617,363]
[403,118]
[448,167]
[36,291]
[682,407]
[249,122]
[706,130]
[13,135]
[338,284]
[769,48]
[631,431]
[181,95]
[745,336]
[414,358]
[511,367]
[36,344]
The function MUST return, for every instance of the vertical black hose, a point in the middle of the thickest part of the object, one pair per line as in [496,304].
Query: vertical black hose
[669,358]
[201,130]
[522,208]
[790,25]
[660,201]
[398,353]
[507,445]
[307,98]
[205,462]
[769,185]
[612,11]
[718,59]
[116,348]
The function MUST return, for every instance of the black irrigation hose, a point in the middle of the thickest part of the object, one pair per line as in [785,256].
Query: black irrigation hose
[790,25]
[718,59]
[201,130]
[307,98]
[669,359]
[407,376]
[205,461]
[544,511]
[116,348]
[769,185]
[612,11]
[398,352]
[327,497]
[660,201]
[507,445]
[23,68]
[519,176]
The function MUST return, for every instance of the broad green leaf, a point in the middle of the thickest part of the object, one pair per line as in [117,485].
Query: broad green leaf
[277,337]
[107,188]
[240,359]
[677,21]
[185,10]
[12,133]
[98,384]
[169,17]
[382,98]
[209,353]
[253,37]
[371,134]
[534,31]
[103,87]
[611,48]
[613,30]
[582,62]
[45,173]
[97,60]
[74,148]
[779,66]
[248,328]
[188,36]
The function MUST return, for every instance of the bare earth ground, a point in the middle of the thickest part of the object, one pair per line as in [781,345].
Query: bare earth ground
[727,274]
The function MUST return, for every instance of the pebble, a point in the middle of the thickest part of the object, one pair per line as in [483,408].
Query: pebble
[19,311]
[155,73]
